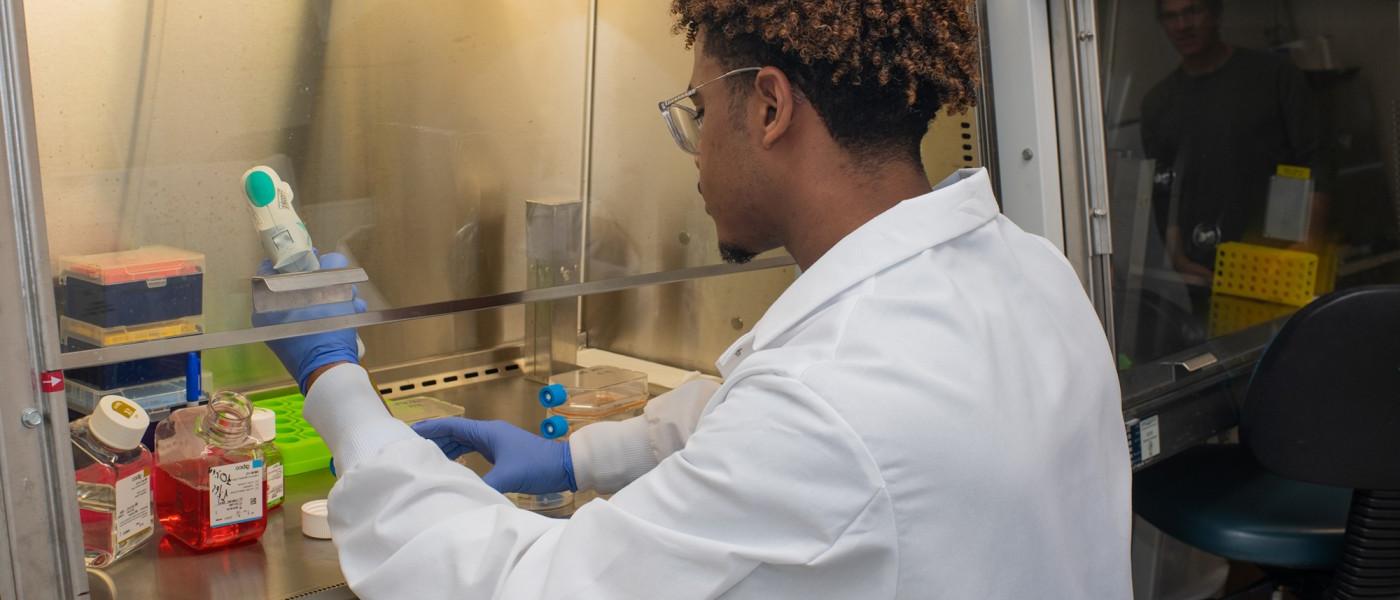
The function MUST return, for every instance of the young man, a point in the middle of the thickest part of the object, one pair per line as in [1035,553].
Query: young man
[1223,123]
[930,411]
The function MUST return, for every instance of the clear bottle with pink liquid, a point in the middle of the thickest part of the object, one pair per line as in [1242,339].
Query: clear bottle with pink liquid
[113,472]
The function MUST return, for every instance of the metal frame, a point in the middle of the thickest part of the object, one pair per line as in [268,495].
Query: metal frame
[40,544]
[279,292]
[1052,167]
[1027,144]
[585,176]
[665,106]
[102,356]
[1083,156]
[986,122]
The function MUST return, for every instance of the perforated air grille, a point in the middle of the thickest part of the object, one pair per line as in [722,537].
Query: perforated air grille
[449,379]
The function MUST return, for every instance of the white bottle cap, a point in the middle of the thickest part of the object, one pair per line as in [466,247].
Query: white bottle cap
[314,520]
[264,425]
[118,422]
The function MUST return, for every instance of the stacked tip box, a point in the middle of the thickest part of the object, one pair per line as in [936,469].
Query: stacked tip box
[156,397]
[126,297]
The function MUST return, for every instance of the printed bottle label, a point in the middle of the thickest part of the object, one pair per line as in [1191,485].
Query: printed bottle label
[274,483]
[133,517]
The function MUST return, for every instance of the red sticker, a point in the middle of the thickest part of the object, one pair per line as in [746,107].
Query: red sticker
[51,382]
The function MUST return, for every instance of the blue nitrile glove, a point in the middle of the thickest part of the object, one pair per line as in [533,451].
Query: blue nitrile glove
[524,462]
[303,355]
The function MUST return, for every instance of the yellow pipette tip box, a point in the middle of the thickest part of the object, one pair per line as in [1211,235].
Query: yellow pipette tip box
[129,334]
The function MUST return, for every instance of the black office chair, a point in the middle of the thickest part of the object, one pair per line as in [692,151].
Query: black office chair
[1312,492]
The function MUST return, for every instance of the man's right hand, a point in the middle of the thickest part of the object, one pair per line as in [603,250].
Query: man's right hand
[524,462]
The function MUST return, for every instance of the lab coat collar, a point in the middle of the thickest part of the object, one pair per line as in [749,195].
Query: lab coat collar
[959,204]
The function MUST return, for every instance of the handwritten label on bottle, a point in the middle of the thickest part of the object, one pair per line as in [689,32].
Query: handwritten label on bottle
[133,517]
[235,493]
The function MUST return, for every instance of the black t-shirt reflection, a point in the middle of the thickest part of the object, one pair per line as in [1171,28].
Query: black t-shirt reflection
[1220,136]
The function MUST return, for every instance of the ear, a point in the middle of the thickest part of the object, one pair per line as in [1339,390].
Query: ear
[777,102]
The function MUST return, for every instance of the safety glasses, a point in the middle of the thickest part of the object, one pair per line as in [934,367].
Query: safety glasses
[683,120]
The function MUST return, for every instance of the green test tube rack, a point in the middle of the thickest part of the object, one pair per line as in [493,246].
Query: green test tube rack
[303,451]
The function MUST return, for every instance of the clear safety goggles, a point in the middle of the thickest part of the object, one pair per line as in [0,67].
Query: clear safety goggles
[683,120]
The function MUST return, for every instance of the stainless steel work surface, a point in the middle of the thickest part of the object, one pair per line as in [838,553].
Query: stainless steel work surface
[284,564]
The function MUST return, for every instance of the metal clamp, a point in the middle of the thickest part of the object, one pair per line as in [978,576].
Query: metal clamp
[276,293]
[1195,363]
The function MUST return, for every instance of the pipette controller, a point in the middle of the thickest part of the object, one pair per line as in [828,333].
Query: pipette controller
[283,234]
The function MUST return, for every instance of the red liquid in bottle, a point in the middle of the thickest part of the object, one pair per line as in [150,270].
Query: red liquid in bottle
[209,475]
[183,503]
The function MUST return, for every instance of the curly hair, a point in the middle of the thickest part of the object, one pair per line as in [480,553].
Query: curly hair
[876,71]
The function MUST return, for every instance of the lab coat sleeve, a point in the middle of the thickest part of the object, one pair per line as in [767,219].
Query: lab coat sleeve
[771,476]
[609,455]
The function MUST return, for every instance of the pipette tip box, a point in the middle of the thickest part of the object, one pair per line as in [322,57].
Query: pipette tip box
[136,372]
[132,287]
[153,396]
[94,335]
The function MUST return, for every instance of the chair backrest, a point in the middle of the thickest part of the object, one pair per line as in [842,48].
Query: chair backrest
[1324,403]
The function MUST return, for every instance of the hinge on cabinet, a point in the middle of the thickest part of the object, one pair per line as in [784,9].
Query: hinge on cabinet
[1100,232]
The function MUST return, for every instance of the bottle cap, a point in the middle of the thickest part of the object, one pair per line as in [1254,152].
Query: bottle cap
[314,520]
[118,422]
[553,395]
[264,425]
[554,427]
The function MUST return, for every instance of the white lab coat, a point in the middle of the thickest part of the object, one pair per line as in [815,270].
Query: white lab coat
[930,411]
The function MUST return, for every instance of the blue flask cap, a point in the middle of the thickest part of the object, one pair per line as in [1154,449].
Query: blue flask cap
[553,395]
[554,427]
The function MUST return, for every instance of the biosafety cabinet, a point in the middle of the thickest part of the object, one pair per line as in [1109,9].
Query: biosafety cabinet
[511,206]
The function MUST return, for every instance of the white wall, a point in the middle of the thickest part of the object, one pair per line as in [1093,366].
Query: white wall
[447,116]
[148,112]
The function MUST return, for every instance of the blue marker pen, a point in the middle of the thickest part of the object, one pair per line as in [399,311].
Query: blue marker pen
[192,373]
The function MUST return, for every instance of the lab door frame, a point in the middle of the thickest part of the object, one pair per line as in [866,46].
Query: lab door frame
[1083,152]
[1051,158]
[41,537]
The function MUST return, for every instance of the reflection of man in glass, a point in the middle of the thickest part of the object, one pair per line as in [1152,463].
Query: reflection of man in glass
[1222,123]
